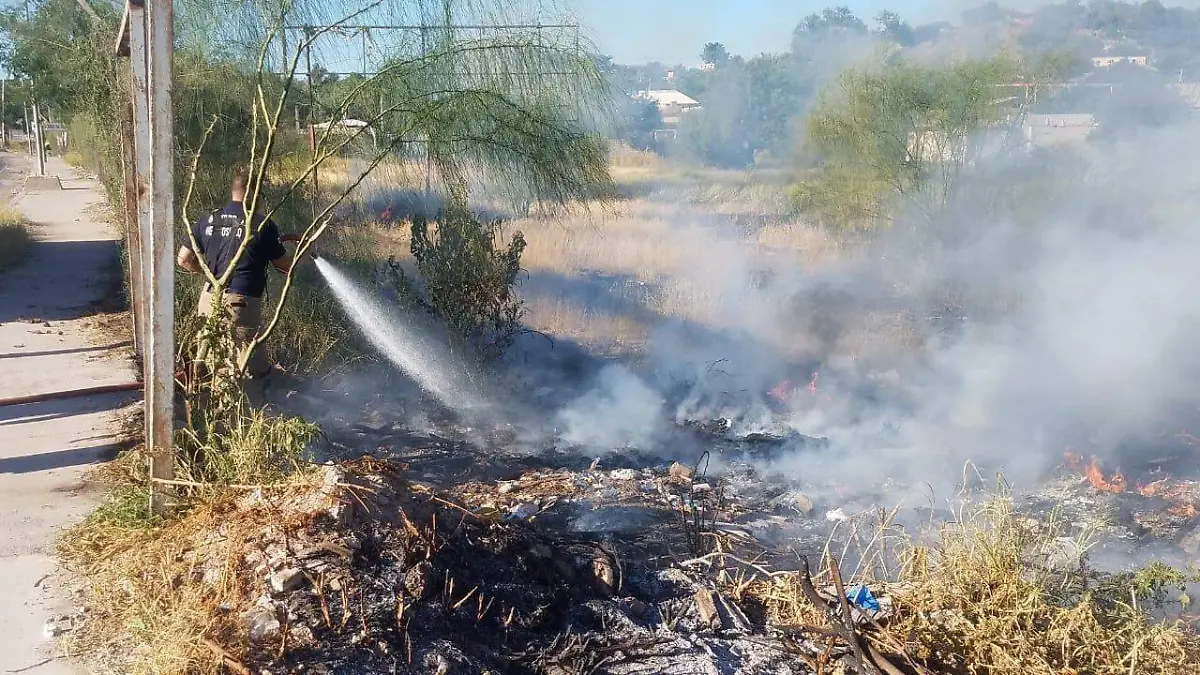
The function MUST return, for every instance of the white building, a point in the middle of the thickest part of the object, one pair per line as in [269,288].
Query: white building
[672,104]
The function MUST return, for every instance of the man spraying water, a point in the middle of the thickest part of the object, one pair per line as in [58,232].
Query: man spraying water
[219,236]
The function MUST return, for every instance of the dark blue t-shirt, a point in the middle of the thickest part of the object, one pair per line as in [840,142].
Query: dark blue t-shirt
[219,234]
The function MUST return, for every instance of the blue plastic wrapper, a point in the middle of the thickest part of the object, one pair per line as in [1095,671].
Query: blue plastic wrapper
[861,597]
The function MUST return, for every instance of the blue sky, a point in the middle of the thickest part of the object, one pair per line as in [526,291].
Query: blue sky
[673,31]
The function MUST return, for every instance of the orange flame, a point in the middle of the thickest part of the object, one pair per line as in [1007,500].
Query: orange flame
[1186,510]
[782,391]
[1153,489]
[1095,476]
[812,384]
[1073,460]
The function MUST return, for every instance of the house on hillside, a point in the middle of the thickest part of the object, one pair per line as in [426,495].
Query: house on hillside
[1047,131]
[672,104]
[1109,60]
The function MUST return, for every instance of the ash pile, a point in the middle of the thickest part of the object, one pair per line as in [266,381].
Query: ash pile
[370,572]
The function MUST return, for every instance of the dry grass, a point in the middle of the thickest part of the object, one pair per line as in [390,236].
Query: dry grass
[15,238]
[156,591]
[978,597]
[607,332]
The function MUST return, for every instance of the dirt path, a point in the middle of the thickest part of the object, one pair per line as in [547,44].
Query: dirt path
[48,342]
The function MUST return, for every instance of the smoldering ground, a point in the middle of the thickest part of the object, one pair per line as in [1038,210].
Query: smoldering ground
[1068,321]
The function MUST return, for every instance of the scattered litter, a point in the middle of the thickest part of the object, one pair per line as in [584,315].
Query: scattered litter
[837,515]
[860,596]
[523,511]
[624,474]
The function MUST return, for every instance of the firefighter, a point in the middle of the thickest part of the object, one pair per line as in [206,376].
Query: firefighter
[218,235]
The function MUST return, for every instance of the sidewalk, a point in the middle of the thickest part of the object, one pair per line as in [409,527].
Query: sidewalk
[46,345]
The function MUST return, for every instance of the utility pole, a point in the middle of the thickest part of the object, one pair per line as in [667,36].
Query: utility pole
[146,36]
[160,383]
[41,144]
[28,129]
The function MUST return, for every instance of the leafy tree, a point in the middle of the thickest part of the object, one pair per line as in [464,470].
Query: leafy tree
[714,53]
[896,29]
[748,107]
[643,118]
[831,21]
[895,141]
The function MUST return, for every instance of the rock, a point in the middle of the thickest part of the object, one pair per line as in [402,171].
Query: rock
[416,579]
[706,609]
[56,626]
[261,624]
[792,501]
[638,608]
[606,577]
[287,580]
[623,474]
[681,472]
[301,635]
[507,487]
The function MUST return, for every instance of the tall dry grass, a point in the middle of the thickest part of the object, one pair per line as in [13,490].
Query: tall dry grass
[15,238]
[996,593]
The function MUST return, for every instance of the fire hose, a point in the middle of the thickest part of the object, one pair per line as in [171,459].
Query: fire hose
[290,238]
[70,393]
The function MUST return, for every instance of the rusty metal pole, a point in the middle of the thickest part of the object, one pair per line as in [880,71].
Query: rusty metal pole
[133,239]
[141,170]
[160,385]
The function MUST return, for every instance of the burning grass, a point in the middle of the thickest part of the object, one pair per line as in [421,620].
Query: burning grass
[997,594]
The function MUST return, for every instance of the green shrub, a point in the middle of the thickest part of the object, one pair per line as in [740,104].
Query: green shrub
[468,273]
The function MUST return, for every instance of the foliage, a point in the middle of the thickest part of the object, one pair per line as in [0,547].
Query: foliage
[468,275]
[893,27]
[714,53]
[14,238]
[643,118]
[748,108]
[898,139]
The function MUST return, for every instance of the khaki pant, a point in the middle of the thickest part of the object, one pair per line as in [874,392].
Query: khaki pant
[246,313]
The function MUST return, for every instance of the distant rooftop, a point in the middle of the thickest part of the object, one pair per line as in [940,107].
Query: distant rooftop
[668,97]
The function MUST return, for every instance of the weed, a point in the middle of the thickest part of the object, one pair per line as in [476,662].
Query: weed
[127,506]
[974,598]
[14,238]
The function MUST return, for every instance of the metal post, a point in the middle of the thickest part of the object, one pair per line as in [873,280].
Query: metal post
[133,239]
[40,150]
[4,111]
[160,18]
[28,129]
[312,130]
[428,150]
[141,177]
